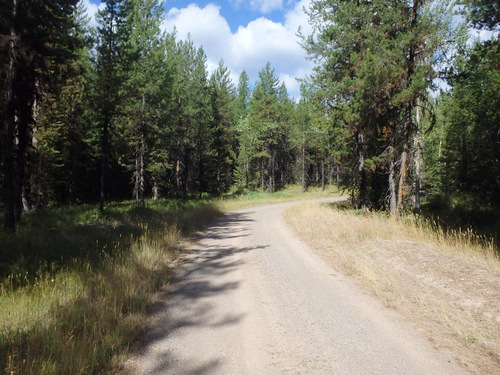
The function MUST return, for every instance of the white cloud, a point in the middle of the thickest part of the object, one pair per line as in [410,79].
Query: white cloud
[205,25]
[251,46]
[266,6]
[296,17]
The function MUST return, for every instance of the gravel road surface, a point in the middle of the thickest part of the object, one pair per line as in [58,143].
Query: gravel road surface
[252,299]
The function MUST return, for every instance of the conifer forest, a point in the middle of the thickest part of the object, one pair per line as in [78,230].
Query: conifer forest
[402,109]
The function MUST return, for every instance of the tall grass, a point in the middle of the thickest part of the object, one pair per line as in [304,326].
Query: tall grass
[75,285]
[445,281]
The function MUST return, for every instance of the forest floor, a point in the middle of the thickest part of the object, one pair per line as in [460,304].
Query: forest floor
[447,287]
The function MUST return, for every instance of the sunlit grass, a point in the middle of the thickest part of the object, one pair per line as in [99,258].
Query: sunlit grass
[250,198]
[75,284]
[74,293]
[445,281]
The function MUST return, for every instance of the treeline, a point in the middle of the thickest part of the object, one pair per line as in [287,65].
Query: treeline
[125,110]
[380,65]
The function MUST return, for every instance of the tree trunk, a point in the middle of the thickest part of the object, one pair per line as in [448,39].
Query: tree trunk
[361,170]
[323,174]
[262,174]
[155,191]
[408,124]
[25,94]
[392,185]
[185,172]
[9,129]
[304,183]
[178,179]
[22,141]
[104,161]
[247,172]
[403,171]
[139,186]
[418,166]
[272,170]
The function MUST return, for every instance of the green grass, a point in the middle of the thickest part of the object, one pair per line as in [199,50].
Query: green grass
[75,285]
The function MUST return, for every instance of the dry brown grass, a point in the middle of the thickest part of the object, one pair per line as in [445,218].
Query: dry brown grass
[448,285]
[287,194]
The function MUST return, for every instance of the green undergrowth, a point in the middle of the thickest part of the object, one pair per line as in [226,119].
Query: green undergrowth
[75,285]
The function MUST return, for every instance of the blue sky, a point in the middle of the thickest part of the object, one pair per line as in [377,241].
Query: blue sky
[244,33]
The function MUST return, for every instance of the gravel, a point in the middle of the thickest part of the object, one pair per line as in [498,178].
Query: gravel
[252,299]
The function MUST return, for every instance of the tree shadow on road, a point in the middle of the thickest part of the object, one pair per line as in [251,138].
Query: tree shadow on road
[185,304]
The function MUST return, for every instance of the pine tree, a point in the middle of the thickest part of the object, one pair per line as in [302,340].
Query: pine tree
[144,57]
[61,161]
[376,61]
[190,118]
[245,144]
[243,96]
[111,38]
[34,36]
[223,144]
[263,120]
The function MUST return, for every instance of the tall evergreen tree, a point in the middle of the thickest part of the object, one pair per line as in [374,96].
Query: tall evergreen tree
[244,93]
[34,36]
[223,145]
[190,117]
[111,37]
[376,61]
[61,160]
[243,135]
[142,99]
[263,118]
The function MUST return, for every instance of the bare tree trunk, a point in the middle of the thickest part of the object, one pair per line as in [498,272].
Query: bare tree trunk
[104,161]
[304,182]
[139,186]
[9,129]
[273,172]
[262,174]
[247,172]
[22,141]
[323,174]
[178,180]
[270,172]
[403,168]
[418,162]
[418,166]
[185,172]
[408,124]
[361,170]
[392,184]
[155,191]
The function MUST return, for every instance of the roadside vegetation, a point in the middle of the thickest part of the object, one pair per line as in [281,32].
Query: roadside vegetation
[245,198]
[75,284]
[446,282]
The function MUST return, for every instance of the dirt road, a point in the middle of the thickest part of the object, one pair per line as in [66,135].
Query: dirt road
[251,299]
